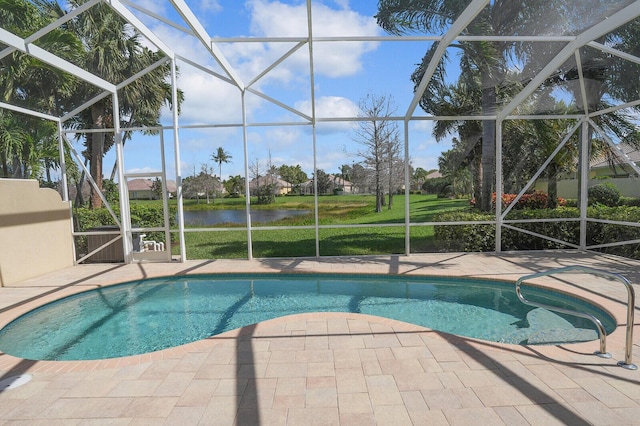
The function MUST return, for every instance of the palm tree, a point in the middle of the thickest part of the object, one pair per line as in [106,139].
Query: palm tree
[12,138]
[99,41]
[488,60]
[113,51]
[221,156]
[28,145]
[607,82]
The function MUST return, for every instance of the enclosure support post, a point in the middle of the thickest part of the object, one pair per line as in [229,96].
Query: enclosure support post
[125,213]
[247,191]
[407,192]
[313,126]
[584,184]
[315,192]
[165,200]
[63,164]
[65,188]
[498,185]
[176,149]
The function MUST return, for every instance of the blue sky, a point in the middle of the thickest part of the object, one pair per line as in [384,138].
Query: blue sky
[344,73]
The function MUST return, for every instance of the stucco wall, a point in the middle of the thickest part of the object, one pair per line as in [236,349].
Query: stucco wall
[628,187]
[35,231]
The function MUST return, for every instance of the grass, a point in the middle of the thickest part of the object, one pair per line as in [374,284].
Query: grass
[332,210]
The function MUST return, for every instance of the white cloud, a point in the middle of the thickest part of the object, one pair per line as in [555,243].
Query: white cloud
[330,106]
[333,59]
[428,162]
[344,4]
[152,5]
[424,126]
[206,96]
[143,170]
[210,6]
[210,100]
[282,137]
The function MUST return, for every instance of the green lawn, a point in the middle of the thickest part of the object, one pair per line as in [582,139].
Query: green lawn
[332,210]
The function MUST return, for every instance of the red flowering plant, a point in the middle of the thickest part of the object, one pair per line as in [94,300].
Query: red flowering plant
[529,200]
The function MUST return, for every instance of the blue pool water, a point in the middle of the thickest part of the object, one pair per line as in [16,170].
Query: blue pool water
[149,315]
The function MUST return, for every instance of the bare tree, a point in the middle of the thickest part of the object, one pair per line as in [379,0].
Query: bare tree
[395,167]
[378,136]
[206,181]
[263,185]
[255,172]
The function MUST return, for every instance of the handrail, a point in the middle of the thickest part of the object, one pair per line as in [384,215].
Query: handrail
[601,331]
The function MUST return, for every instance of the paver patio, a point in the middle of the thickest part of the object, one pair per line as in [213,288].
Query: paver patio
[335,368]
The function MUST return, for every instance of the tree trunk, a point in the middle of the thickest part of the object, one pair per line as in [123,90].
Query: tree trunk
[5,166]
[379,198]
[580,148]
[17,168]
[552,189]
[475,169]
[390,178]
[379,192]
[593,89]
[96,150]
[79,201]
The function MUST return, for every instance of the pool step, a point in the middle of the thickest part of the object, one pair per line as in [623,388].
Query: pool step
[546,327]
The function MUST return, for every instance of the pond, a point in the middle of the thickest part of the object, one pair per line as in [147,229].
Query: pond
[216,217]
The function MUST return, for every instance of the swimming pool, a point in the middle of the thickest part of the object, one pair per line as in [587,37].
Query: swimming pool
[149,315]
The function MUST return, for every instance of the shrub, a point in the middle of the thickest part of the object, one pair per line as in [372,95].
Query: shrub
[477,238]
[568,231]
[604,193]
[267,194]
[482,237]
[603,233]
[466,237]
[436,186]
[142,216]
[629,201]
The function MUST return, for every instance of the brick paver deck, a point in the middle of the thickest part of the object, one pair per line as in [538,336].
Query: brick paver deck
[334,368]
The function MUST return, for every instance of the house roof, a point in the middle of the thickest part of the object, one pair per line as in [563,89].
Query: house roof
[626,153]
[339,181]
[146,184]
[263,180]
[332,178]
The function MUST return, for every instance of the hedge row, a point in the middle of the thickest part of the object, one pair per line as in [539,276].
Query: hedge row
[475,238]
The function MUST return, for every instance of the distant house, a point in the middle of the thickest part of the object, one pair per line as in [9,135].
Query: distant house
[618,166]
[141,189]
[336,183]
[616,171]
[281,187]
